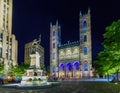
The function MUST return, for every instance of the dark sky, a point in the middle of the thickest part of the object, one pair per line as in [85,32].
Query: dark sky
[33,17]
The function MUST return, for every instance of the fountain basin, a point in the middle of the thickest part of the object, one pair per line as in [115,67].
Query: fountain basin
[36,80]
[42,86]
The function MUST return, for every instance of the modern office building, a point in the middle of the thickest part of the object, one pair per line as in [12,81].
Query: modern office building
[73,59]
[8,42]
[28,51]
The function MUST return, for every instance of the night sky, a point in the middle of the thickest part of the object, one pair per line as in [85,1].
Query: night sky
[33,17]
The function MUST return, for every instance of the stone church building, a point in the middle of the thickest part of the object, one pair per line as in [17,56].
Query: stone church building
[73,59]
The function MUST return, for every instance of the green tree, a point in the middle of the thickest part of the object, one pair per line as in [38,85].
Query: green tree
[109,59]
[1,69]
[18,71]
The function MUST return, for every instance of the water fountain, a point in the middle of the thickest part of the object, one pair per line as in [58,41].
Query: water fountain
[34,75]
[33,78]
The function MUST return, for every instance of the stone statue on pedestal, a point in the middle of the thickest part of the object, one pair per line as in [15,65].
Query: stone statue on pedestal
[36,44]
[35,56]
[34,75]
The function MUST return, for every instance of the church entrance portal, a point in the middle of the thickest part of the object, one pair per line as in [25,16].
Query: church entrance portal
[76,71]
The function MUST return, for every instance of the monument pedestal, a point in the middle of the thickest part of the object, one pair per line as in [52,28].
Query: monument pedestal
[34,75]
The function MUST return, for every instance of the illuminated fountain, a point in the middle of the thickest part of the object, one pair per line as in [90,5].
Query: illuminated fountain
[34,75]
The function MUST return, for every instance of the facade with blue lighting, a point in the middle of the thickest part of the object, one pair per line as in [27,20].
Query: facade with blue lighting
[73,59]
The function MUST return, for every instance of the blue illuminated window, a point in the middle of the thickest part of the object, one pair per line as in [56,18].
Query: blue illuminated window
[53,33]
[53,56]
[54,69]
[53,45]
[61,67]
[85,67]
[69,67]
[85,50]
[84,24]
[85,38]
[84,30]
[77,65]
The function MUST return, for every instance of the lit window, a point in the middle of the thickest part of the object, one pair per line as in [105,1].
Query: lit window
[85,38]
[84,30]
[84,24]
[61,67]
[85,50]
[85,67]
[69,67]
[53,45]
[53,56]
[53,69]
[53,33]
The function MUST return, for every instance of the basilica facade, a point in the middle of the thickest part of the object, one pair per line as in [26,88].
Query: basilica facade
[73,59]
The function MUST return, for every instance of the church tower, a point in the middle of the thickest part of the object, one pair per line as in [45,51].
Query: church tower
[85,44]
[55,42]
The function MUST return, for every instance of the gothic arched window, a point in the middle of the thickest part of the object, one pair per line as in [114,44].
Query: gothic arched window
[85,38]
[54,69]
[84,24]
[85,50]
[53,33]
[85,67]
[53,56]
[61,67]
[69,67]
[76,65]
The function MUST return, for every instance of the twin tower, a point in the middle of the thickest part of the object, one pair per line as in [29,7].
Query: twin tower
[73,59]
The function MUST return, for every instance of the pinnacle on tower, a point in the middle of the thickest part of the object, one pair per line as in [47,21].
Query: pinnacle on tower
[80,13]
[88,10]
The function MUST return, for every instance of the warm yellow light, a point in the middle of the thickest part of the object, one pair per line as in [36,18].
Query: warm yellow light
[77,74]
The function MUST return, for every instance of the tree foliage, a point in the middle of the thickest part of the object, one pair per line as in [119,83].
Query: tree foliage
[108,61]
[18,71]
[1,69]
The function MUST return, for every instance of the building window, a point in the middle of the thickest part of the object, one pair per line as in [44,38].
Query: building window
[7,55]
[85,50]
[85,67]
[84,30]
[54,69]
[85,38]
[84,24]
[7,38]
[53,33]
[1,36]
[10,41]
[10,53]
[0,51]
[53,56]
[7,51]
[53,45]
